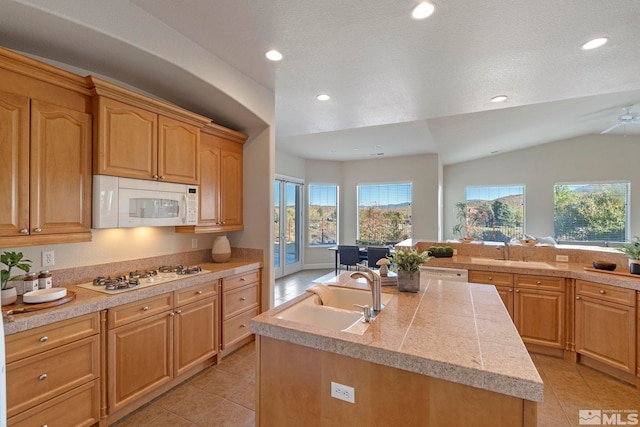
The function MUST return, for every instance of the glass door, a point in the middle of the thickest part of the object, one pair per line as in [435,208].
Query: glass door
[287,217]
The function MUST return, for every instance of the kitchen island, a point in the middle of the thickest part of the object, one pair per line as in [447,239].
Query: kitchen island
[447,355]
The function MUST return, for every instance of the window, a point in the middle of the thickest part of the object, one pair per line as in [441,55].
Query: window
[492,213]
[323,214]
[591,212]
[384,213]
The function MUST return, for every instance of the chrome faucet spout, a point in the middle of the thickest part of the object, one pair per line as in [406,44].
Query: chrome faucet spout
[375,284]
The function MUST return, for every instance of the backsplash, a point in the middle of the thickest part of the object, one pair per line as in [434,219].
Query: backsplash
[73,276]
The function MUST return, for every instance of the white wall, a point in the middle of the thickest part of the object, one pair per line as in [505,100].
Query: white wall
[289,165]
[590,158]
[423,171]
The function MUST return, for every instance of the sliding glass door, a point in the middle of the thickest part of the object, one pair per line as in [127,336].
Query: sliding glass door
[287,217]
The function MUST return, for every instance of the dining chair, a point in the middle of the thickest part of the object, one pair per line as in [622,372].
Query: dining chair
[375,253]
[349,255]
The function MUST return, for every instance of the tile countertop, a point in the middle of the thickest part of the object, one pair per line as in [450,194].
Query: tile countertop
[555,269]
[87,301]
[455,331]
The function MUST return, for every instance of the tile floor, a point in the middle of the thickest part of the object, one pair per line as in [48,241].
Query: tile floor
[224,395]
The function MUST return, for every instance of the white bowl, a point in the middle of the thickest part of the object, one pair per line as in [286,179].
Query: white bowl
[44,295]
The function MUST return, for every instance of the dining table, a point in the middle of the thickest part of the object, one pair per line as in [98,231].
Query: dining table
[363,255]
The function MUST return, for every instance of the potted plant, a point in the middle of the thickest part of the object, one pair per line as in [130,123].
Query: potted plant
[407,263]
[632,250]
[11,259]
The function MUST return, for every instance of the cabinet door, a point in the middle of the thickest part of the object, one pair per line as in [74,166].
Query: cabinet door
[14,174]
[196,334]
[539,317]
[506,294]
[209,213]
[126,141]
[140,358]
[606,332]
[60,172]
[231,187]
[178,148]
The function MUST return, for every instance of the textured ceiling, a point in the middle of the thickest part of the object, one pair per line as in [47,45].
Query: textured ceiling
[398,86]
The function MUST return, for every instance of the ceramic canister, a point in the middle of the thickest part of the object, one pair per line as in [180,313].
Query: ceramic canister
[221,250]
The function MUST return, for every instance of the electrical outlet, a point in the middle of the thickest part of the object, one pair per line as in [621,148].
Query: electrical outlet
[343,392]
[47,259]
[455,252]
[194,243]
[562,258]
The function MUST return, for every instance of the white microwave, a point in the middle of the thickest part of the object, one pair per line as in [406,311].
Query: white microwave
[124,202]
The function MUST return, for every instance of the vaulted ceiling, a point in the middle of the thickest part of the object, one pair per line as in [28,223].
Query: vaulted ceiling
[398,86]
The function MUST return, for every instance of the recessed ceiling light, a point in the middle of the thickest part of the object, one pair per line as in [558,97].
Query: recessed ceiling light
[273,55]
[423,10]
[499,98]
[323,97]
[595,43]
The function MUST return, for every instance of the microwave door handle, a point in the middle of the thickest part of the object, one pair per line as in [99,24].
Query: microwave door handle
[184,210]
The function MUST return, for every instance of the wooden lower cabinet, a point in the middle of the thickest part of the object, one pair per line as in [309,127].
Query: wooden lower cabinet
[139,359]
[535,303]
[53,374]
[539,316]
[605,325]
[156,343]
[240,302]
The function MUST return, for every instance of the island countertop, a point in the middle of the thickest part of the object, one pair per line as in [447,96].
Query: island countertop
[455,331]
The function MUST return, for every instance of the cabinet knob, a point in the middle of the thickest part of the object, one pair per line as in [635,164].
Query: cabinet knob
[145,308]
[222,223]
[178,311]
[243,326]
[155,176]
[242,279]
[37,230]
[510,290]
[243,299]
[538,282]
[199,293]
[517,290]
[577,297]
[172,314]
[602,291]
[490,278]
[162,177]
[42,377]
[24,231]
[44,339]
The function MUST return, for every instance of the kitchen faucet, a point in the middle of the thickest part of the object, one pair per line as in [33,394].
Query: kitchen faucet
[506,251]
[375,284]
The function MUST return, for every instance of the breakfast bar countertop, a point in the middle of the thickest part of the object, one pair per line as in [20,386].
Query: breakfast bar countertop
[455,331]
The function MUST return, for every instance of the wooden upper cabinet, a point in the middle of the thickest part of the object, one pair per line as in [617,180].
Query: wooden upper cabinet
[14,150]
[220,181]
[48,172]
[60,170]
[126,140]
[178,146]
[141,137]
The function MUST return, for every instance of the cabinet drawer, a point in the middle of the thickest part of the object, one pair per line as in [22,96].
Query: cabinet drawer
[237,328]
[232,282]
[38,378]
[28,343]
[78,407]
[142,309]
[196,293]
[539,282]
[490,277]
[239,300]
[606,292]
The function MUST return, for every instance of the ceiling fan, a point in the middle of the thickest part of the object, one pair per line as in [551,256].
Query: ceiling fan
[626,118]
